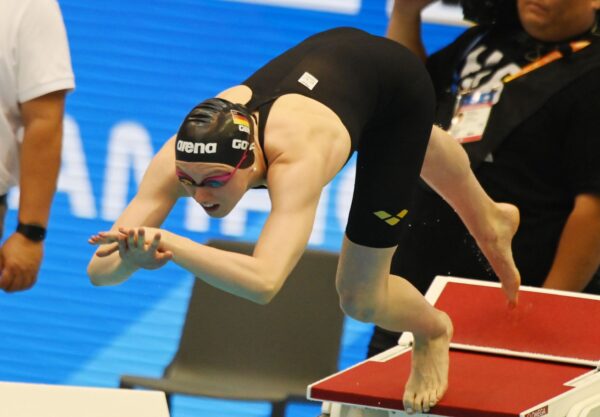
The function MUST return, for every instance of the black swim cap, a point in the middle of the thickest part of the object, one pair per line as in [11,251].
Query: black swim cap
[218,131]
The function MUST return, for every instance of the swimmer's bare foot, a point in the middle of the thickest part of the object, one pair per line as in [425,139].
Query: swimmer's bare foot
[428,379]
[495,243]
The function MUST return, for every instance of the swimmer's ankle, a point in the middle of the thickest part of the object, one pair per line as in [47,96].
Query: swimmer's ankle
[441,328]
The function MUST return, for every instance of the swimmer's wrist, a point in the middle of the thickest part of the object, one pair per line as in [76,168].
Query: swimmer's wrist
[170,241]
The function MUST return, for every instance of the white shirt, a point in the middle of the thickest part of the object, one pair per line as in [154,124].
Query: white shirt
[34,61]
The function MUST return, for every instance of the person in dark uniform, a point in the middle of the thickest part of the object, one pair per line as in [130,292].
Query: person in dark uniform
[535,67]
[291,127]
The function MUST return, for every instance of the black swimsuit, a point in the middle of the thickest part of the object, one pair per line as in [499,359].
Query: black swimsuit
[383,95]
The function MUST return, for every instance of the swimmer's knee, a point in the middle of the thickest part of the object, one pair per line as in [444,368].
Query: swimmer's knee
[357,307]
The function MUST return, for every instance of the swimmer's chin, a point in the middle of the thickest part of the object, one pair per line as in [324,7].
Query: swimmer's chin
[216,211]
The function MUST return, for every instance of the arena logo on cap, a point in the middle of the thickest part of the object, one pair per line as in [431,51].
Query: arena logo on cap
[196,147]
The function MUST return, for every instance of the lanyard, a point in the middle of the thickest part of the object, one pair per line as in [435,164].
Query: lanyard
[456,79]
[546,59]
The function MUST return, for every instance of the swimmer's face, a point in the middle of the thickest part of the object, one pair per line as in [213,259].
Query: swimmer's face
[216,187]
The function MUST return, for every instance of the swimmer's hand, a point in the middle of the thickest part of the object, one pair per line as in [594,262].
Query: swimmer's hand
[133,246]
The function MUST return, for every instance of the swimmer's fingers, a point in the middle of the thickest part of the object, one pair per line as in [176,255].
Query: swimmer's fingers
[103,238]
[109,242]
[131,239]
[163,257]
[136,238]
[155,244]
[107,249]
[141,238]
[160,255]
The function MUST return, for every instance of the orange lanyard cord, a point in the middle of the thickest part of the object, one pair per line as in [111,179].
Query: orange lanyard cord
[545,60]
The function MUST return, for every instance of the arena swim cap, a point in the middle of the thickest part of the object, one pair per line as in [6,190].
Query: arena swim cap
[216,131]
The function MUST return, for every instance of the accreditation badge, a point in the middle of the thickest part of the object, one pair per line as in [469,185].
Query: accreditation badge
[471,115]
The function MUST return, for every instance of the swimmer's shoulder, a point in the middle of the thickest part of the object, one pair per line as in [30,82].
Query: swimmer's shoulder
[237,94]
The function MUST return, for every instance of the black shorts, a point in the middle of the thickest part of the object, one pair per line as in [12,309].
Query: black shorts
[391,150]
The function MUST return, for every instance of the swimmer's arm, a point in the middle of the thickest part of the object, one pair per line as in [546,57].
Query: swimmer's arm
[158,192]
[294,192]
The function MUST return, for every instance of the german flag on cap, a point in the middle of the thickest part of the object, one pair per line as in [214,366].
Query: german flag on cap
[240,119]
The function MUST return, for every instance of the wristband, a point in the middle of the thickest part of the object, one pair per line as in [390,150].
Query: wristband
[32,232]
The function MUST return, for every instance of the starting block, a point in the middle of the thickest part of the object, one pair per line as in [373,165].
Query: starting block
[538,359]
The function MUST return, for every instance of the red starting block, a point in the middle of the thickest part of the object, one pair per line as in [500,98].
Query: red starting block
[538,359]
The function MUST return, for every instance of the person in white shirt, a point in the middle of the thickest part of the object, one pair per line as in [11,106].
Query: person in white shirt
[35,74]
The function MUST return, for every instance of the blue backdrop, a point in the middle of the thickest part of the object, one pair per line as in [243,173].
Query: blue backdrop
[140,66]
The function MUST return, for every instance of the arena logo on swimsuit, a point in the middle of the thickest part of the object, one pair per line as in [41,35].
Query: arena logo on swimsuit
[196,147]
[391,219]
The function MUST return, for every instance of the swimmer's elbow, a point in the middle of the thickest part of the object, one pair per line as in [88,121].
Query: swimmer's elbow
[103,271]
[98,280]
[93,276]
[267,290]
[263,297]
[101,280]
[270,288]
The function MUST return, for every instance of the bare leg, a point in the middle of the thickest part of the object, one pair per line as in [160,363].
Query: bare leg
[369,293]
[493,225]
